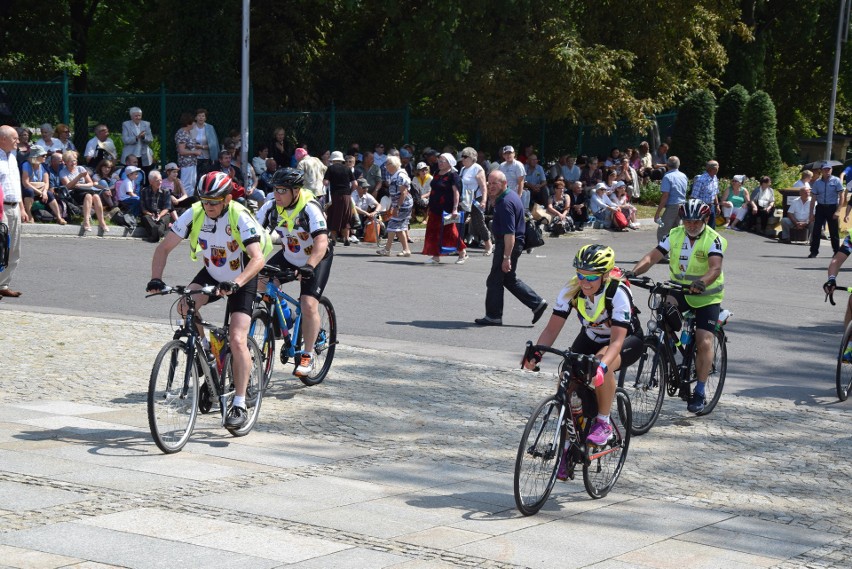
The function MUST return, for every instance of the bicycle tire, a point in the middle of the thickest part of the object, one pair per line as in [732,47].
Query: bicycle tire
[254,390]
[844,384]
[172,397]
[718,370]
[539,454]
[261,330]
[603,465]
[645,384]
[325,344]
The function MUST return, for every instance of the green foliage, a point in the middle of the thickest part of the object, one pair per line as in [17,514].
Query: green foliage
[693,136]
[650,194]
[729,116]
[759,152]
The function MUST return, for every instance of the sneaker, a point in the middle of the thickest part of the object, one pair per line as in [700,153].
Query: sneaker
[305,367]
[696,403]
[600,433]
[432,261]
[489,321]
[353,239]
[539,311]
[404,254]
[382,252]
[237,417]
[562,473]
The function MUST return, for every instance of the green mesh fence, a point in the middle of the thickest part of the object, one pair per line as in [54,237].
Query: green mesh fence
[30,103]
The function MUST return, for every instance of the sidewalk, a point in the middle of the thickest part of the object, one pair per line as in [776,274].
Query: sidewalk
[394,461]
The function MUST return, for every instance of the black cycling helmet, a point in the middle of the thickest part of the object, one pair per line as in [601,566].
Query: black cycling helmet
[595,258]
[214,185]
[694,210]
[288,178]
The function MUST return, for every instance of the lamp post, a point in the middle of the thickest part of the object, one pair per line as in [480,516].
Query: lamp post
[842,36]
[244,89]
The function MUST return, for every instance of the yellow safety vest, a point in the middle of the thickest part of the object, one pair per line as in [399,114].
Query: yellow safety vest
[234,211]
[698,265]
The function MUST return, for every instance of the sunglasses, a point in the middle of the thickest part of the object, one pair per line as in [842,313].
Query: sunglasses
[588,278]
[211,201]
[282,190]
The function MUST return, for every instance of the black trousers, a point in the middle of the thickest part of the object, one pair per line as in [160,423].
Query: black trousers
[498,280]
[825,214]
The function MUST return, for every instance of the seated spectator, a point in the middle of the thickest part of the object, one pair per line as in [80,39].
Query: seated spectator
[35,184]
[762,206]
[590,174]
[659,159]
[421,185]
[47,141]
[366,206]
[601,206]
[260,158]
[610,178]
[646,162]
[622,200]
[536,182]
[799,214]
[64,135]
[130,160]
[156,206]
[405,158]
[173,186]
[252,192]
[100,147]
[79,182]
[103,179]
[634,160]
[224,165]
[24,144]
[736,202]
[280,149]
[569,169]
[265,179]
[624,172]
[579,209]
[559,207]
[613,159]
[54,167]
[126,191]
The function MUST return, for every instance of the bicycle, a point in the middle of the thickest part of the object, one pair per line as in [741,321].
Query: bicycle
[657,371]
[844,384]
[174,395]
[277,315]
[557,430]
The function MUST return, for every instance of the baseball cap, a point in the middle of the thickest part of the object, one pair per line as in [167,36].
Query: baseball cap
[363,183]
[508,148]
[825,165]
[619,184]
[37,151]
[170,166]
[131,169]
[404,153]
[422,166]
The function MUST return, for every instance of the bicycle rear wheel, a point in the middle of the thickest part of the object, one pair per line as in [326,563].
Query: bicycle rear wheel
[325,344]
[718,369]
[172,397]
[254,390]
[604,463]
[261,330]
[645,384]
[538,456]
[844,369]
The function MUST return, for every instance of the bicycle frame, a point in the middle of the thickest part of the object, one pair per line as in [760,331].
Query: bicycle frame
[276,296]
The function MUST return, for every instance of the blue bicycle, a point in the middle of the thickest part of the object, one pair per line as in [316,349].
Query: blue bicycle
[278,316]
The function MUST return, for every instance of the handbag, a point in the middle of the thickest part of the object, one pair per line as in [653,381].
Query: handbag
[533,236]
[371,232]
[5,244]
[619,220]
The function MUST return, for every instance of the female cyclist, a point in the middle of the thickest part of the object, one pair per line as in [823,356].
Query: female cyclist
[605,310]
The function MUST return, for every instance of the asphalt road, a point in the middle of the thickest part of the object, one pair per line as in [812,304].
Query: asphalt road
[782,337]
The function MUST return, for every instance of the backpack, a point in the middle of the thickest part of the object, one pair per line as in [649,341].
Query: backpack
[532,235]
[609,294]
[619,220]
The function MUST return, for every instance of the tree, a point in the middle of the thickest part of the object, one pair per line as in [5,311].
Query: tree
[759,153]
[729,117]
[693,136]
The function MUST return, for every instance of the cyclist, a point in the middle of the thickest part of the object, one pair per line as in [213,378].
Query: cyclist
[605,309]
[829,286]
[696,262]
[297,216]
[233,246]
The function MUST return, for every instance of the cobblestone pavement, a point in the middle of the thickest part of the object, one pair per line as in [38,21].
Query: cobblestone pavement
[394,461]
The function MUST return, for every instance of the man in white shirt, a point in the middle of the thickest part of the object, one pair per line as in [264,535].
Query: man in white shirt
[798,214]
[515,174]
[100,147]
[13,213]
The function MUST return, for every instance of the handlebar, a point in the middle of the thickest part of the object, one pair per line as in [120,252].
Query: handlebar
[209,290]
[283,275]
[830,296]
[658,286]
[590,361]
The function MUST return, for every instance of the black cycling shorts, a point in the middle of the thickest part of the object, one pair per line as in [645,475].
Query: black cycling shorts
[313,287]
[240,301]
[631,348]
[706,317]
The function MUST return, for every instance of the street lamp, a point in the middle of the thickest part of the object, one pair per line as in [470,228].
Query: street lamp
[244,89]
[842,35]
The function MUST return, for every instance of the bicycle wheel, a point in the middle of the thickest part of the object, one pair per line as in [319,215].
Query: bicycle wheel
[603,463]
[844,369]
[261,330]
[254,390]
[172,397]
[324,345]
[645,384]
[718,369]
[538,456]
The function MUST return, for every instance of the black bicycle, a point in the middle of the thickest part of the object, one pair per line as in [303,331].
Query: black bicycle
[667,364]
[843,375]
[557,430]
[174,396]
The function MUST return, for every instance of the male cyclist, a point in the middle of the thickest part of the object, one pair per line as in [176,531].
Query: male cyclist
[233,246]
[696,262]
[605,310]
[298,218]
[829,286]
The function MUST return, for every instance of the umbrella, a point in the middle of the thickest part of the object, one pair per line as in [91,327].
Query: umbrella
[818,164]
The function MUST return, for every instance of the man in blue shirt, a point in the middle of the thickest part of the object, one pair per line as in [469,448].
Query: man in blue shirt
[509,229]
[673,188]
[706,189]
[825,208]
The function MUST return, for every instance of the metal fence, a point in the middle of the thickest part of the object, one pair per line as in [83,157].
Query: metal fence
[31,103]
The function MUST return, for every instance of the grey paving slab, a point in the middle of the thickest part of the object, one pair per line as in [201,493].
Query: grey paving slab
[63,407]
[679,554]
[128,550]
[748,543]
[35,464]
[356,557]
[277,457]
[416,474]
[153,522]
[308,446]
[119,479]
[442,537]
[329,491]
[284,546]
[22,497]
[29,559]
[773,530]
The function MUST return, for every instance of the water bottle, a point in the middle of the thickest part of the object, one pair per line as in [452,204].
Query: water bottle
[723,318]
[288,316]
[217,341]
[576,405]
[686,332]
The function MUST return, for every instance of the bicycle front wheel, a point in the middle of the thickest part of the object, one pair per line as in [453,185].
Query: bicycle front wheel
[718,369]
[538,456]
[172,397]
[604,463]
[645,384]
[254,390]
[261,330]
[325,343]
[844,368]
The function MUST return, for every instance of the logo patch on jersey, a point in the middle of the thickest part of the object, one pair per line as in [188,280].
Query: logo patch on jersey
[293,244]
[253,231]
[701,255]
[233,246]
[234,265]
[209,225]
[303,235]
[218,256]
[228,229]
[321,223]
[203,244]
[308,249]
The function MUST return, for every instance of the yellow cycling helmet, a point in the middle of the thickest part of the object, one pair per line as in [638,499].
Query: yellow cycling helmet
[596,258]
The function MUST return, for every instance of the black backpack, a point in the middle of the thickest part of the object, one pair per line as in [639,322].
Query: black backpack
[635,323]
